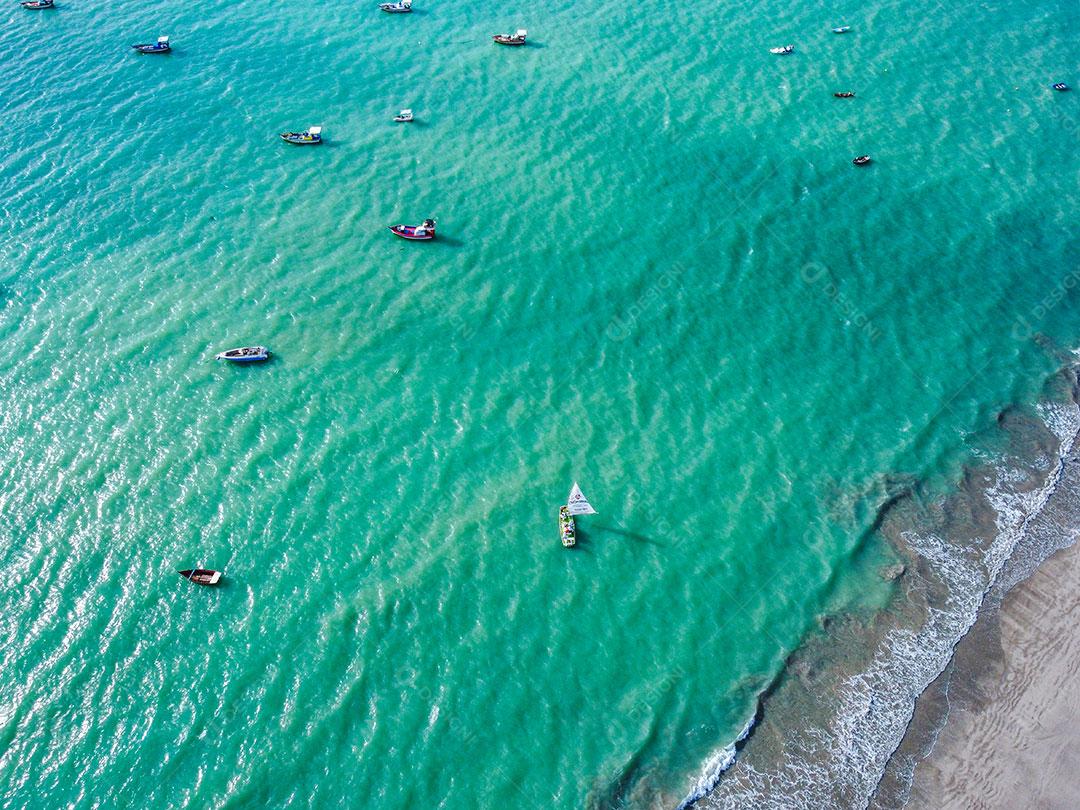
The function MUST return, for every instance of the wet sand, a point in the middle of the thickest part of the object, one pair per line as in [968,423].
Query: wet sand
[1013,728]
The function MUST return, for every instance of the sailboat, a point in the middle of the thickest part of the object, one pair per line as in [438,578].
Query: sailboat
[576,504]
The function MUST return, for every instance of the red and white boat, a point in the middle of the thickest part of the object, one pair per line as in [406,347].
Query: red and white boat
[511,39]
[416,233]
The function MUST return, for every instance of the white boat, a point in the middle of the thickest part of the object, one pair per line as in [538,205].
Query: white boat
[245,354]
[404,117]
[402,7]
[841,29]
[576,504]
[786,49]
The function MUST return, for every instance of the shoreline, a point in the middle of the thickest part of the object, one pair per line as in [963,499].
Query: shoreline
[990,724]
[1011,715]
[860,706]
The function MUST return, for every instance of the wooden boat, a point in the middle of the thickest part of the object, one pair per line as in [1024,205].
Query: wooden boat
[566,528]
[517,38]
[1061,87]
[404,117]
[845,94]
[309,137]
[401,7]
[161,46]
[201,576]
[416,233]
[861,160]
[38,5]
[575,505]
[245,354]
[841,29]
[786,49]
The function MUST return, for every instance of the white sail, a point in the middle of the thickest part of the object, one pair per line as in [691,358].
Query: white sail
[576,503]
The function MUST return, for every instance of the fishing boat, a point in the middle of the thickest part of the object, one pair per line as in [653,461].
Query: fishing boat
[861,160]
[201,576]
[1061,87]
[309,137]
[416,233]
[844,94]
[517,38]
[401,7]
[37,5]
[404,117]
[841,29]
[575,505]
[785,49]
[161,46]
[245,354]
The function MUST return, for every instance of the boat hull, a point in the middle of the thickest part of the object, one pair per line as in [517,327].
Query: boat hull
[201,576]
[296,140]
[511,42]
[148,49]
[252,354]
[409,232]
[567,529]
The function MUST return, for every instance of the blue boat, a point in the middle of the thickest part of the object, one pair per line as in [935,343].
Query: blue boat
[161,46]
[309,137]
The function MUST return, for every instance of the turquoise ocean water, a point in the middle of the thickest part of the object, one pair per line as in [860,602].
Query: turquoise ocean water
[658,274]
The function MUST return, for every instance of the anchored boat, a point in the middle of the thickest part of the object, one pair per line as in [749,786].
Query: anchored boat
[517,38]
[416,233]
[575,505]
[845,94]
[841,29]
[402,7]
[309,137]
[1061,87]
[37,5]
[786,49]
[245,354]
[161,46]
[861,160]
[404,117]
[201,576]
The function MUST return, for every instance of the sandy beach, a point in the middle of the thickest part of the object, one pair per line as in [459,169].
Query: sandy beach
[1012,728]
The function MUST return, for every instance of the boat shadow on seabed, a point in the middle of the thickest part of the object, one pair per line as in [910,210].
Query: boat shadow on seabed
[641,538]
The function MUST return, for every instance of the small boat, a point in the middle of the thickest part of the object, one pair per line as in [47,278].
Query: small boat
[861,160]
[416,233]
[201,576]
[841,29]
[517,38]
[786,49]
[37,5]
[161,46]
[404,117]
[245,354]
[575,505]
[845,94]
[309,137]
[1061,87]
[401,7]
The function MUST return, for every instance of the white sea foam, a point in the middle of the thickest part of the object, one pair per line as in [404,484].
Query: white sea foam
[714,768]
